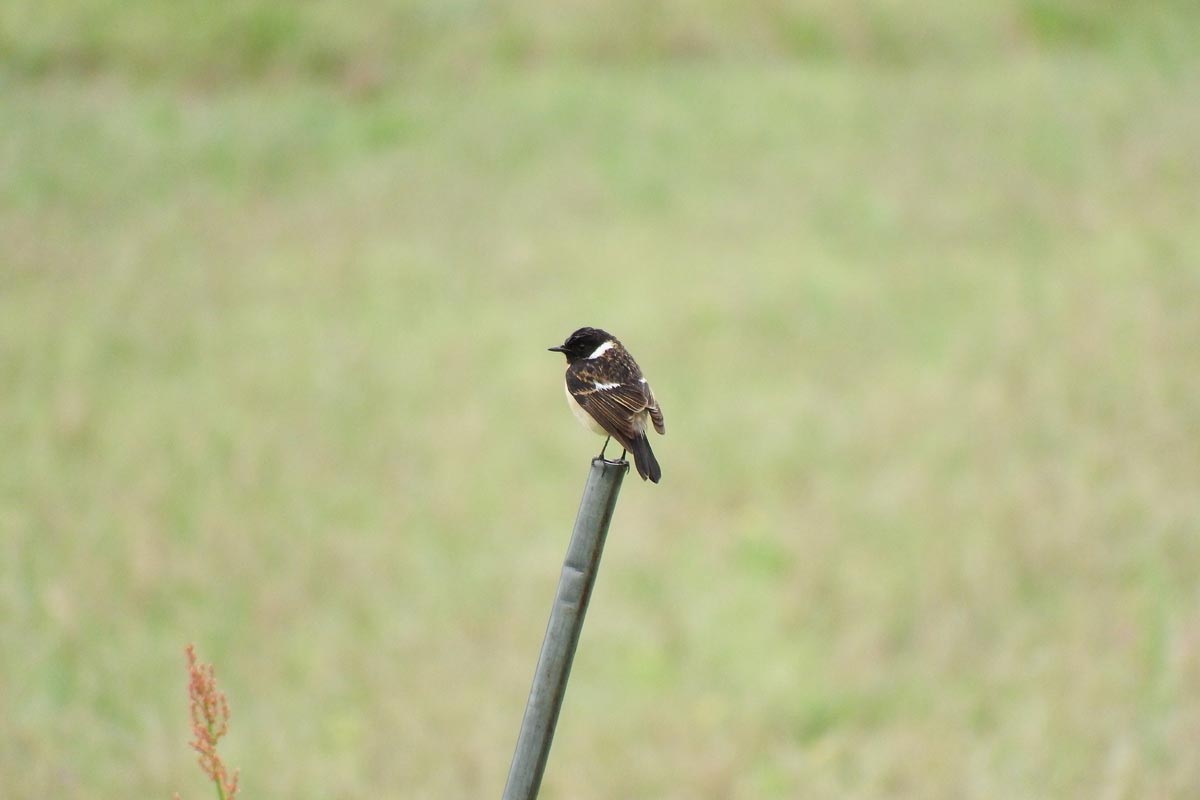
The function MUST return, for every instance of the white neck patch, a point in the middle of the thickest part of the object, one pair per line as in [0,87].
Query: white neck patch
[601,350]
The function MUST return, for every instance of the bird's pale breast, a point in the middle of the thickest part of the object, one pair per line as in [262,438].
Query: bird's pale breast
[585,419]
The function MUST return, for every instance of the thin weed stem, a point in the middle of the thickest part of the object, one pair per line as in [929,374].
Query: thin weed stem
[210,721]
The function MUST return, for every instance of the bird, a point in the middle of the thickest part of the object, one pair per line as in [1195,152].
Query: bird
[609,395]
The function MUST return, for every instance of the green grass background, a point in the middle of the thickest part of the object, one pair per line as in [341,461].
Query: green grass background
[917,288]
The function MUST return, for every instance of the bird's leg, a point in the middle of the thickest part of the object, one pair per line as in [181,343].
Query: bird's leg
[622,453]
[602,449]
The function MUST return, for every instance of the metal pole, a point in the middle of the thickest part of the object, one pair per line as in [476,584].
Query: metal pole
[562,632]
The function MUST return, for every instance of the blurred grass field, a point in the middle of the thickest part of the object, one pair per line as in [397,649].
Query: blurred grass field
[917,288]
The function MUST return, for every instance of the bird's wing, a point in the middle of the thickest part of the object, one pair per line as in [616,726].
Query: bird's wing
[614,405]
[656,415]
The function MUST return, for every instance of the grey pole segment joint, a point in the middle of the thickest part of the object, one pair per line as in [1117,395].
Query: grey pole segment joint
[562,632]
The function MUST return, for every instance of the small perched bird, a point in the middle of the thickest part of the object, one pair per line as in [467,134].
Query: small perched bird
[609,396]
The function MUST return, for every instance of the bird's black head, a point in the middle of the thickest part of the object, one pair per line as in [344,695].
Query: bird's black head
[582,343]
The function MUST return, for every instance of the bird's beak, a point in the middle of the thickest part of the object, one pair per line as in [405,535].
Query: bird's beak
[556,349]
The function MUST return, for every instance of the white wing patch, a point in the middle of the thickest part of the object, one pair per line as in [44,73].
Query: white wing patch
[601,350]
[602,386]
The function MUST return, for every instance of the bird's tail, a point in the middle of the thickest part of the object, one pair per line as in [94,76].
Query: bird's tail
[644,460]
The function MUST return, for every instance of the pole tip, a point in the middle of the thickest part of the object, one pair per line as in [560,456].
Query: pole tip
[605,463]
